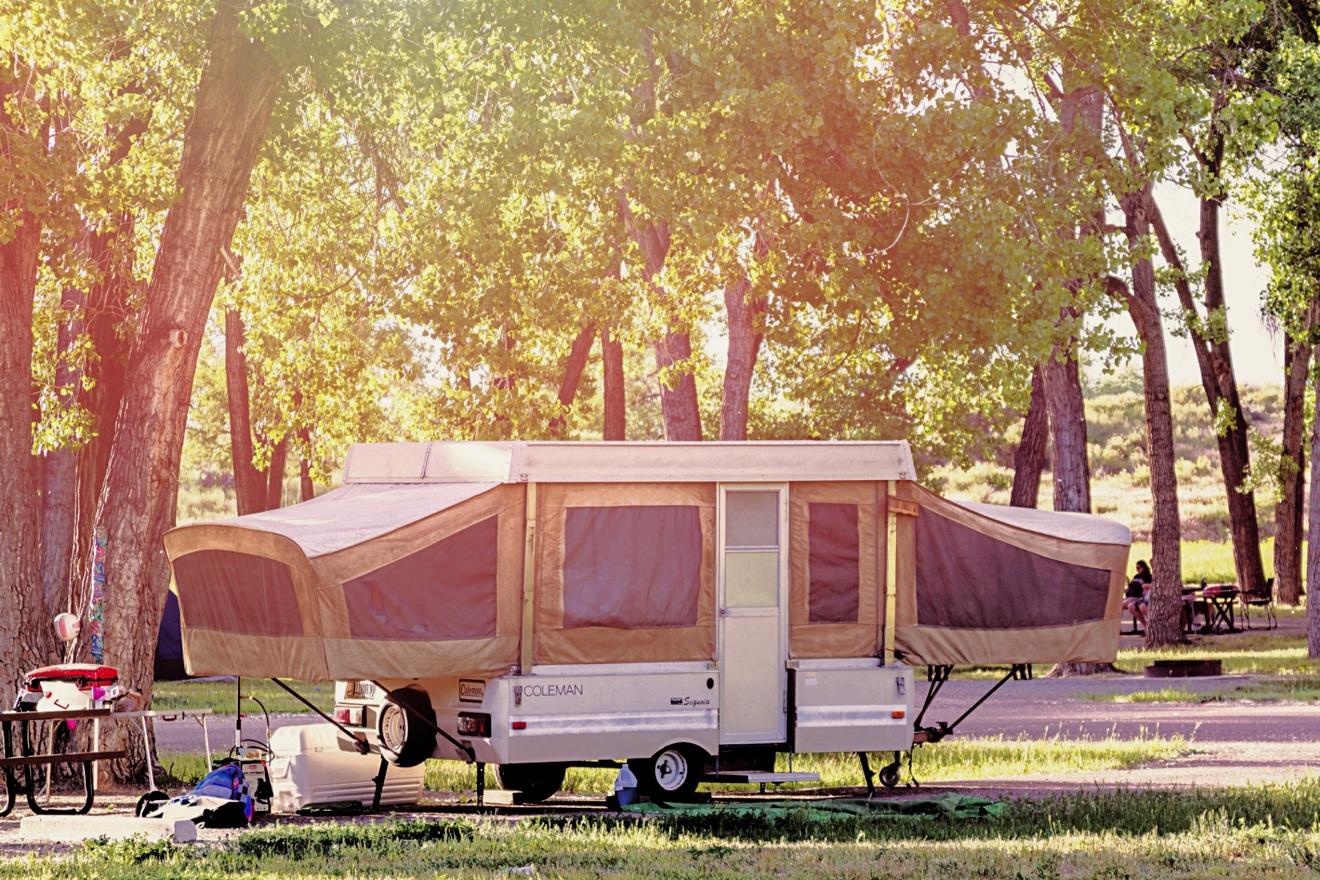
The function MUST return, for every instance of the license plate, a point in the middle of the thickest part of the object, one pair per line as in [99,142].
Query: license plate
[359,690]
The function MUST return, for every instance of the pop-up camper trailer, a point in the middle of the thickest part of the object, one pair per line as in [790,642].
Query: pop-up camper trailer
[694,608]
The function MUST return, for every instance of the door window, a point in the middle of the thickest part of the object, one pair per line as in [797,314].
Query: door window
[751,549]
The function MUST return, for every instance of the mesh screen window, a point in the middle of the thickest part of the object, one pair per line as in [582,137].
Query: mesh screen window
[443,592]
[632,567]
[834,563]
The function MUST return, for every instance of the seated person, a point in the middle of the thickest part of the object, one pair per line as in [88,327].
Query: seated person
[1137,597]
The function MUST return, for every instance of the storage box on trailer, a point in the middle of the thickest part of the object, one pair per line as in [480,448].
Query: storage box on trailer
[308,767]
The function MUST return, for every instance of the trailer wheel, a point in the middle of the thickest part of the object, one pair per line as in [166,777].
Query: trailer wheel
[536,782]
[671,774]
[889,775]
[406,727]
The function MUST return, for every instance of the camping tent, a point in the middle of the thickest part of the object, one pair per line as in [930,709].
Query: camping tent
[427,562]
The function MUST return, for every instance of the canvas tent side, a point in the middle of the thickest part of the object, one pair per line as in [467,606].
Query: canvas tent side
[984,584]
[415,568]
[383,580]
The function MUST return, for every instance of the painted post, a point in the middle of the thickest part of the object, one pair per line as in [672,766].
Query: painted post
[96,608]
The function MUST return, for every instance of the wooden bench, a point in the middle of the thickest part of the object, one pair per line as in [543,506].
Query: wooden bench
[13,765]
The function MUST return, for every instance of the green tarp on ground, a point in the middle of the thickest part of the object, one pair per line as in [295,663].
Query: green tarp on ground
[951,806]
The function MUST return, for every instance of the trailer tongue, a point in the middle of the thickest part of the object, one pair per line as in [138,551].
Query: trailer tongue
[692,609]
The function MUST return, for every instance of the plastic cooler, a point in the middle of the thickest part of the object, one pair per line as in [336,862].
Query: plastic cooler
[69,687]
[307,767]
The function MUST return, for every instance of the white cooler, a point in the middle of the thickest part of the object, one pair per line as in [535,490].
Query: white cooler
[307,767]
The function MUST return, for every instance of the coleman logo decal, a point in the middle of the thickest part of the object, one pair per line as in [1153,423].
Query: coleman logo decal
[546,690]
[471,691]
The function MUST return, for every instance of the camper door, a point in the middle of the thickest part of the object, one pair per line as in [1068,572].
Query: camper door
[752,591]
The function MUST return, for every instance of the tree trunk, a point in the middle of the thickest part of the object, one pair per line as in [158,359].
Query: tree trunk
[1029,459]
[1067,418]
[1084,106]
[108,311]
[1164,617]
[1313,541]
[744,313]
[1292,474]
[26,637]
[678,393]
[235,96]
[279,457]
[60,495]
[306,488]
[1234,448]
[574,364]
[250,485]
[616,410]
[673,353]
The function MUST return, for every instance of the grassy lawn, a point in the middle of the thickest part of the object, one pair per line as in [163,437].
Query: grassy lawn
[1236,833]
[1289,690]
[955,759]
[218,696]
[1263,654]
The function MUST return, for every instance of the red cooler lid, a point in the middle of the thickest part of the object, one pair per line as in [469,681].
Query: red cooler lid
[86,674]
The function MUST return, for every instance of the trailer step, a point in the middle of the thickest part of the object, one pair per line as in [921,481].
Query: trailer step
[753,777]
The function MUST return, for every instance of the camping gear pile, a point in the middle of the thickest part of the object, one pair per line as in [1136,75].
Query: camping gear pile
[221,800]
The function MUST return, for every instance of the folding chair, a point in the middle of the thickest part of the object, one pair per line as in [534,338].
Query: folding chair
[1259,600]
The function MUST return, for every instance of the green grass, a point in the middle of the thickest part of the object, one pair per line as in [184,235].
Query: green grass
[1263,654]
[954,759]
[1237,833]
[1295,690]
[218,696]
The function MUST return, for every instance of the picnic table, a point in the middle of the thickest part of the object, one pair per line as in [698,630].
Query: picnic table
[1220,600]
[25,762]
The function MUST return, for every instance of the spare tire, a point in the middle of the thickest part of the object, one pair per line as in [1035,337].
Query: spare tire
[536,782]
[405,727]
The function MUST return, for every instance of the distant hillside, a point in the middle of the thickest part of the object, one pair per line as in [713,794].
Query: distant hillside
[1119,467]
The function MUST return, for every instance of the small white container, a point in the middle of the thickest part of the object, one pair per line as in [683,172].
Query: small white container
[308,767]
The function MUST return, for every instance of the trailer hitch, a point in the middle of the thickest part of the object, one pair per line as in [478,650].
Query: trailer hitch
[938,675]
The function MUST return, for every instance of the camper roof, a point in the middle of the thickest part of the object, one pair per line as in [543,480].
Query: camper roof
[627,462]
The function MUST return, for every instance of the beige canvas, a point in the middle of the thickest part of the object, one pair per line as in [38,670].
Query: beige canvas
[818,640]
[1093,639]
[556,643]
[325,648]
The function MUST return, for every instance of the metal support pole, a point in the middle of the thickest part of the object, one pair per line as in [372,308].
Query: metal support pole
[481,783]
[529,585]
[891,571]
[238,714]
[146,744]
[379,779]
[868,774]
[206,740]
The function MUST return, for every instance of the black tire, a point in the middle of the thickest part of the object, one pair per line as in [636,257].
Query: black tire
[535,782]
[671,774]
[889,775]
[405,727]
